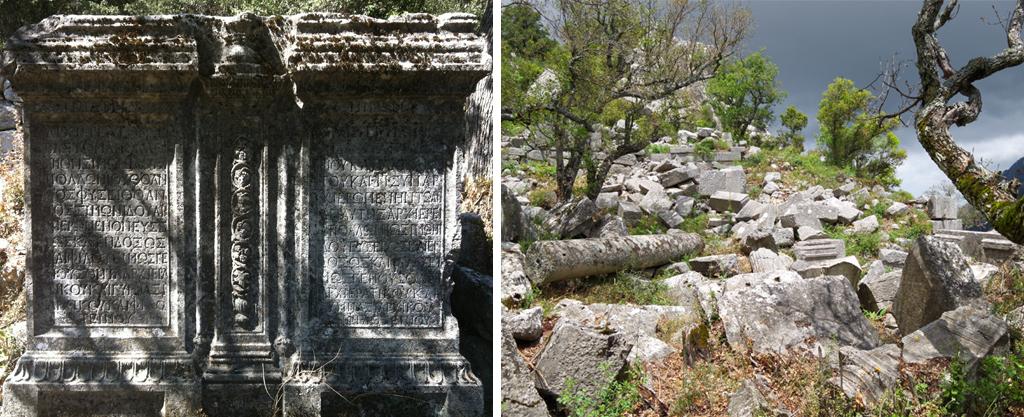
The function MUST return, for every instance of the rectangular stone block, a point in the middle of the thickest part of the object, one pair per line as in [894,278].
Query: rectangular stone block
[947,224]
[819,249]
[942,207]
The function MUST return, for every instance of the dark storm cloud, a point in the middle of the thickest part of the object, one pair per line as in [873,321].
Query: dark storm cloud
[813,42]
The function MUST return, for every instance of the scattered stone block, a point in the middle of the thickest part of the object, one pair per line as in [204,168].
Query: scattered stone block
[716,266]
[866,225]
[942,208]
[954,224]
[766,260]
[676,176]
[784,238]
[936,279]
[866,375]
[897,209]
[967,333]
[748,401]
[654,202]
[683,206]
[758,239]
[592,357]
[670,218]
[607,201]
[519,396]
[819,249]
[631,213]
[805,233]
[877,291]
[779,311]
[848,267]
[524,325]
[573,219]
[723,201]
[515,285]
[893,258]
[731,179]
[752,210]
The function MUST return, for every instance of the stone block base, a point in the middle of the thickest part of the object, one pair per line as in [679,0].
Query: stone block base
[34,399]
[321,400]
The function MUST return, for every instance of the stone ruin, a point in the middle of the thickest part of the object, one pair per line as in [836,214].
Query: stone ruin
[243,216]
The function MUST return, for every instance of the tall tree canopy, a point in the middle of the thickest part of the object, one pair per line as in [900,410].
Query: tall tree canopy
[794,121]
[852,135]
[744,92]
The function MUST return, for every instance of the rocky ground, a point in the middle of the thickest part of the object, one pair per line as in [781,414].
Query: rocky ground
[12,244]
[749,282]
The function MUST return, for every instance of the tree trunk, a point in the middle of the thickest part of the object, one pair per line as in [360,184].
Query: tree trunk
[596,176]
[556,260]
[989,193]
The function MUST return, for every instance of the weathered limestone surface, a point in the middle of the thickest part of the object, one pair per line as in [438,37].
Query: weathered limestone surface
[936,279]
[225,206]
[556,260]
[774,312]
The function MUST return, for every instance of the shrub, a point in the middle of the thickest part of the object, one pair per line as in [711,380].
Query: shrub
[918,225]
[542,197]
[862,245]
[695,224]
[705,149]
[649,224]
[999,386]
[656,148]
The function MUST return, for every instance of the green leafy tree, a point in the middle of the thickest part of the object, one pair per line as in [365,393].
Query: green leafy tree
[744,92]
[794,121]
[853,136]
[612,78]
[522,33]
[525,47]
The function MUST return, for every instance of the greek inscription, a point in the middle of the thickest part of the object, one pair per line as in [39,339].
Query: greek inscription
[382,209]
[107,234]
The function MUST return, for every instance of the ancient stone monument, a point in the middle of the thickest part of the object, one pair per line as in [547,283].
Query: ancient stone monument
[243,216]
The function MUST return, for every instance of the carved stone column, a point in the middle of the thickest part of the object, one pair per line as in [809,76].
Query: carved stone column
[243,113]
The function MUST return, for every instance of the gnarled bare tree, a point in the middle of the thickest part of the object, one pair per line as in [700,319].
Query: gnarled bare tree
[936,111]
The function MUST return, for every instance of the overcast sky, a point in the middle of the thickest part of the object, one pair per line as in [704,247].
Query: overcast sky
[812,42]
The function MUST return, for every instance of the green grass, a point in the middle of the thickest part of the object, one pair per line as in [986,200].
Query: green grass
[649,224]
[807,169]
[864,246]
[901,196]
[1006,290]
[695,224]
[704,149]
[656,148]
[614,399]
[874,315]
[624,287]
[511,128]
[918,225]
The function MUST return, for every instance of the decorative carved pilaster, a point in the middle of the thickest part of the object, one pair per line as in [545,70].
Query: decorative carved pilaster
[243,226]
